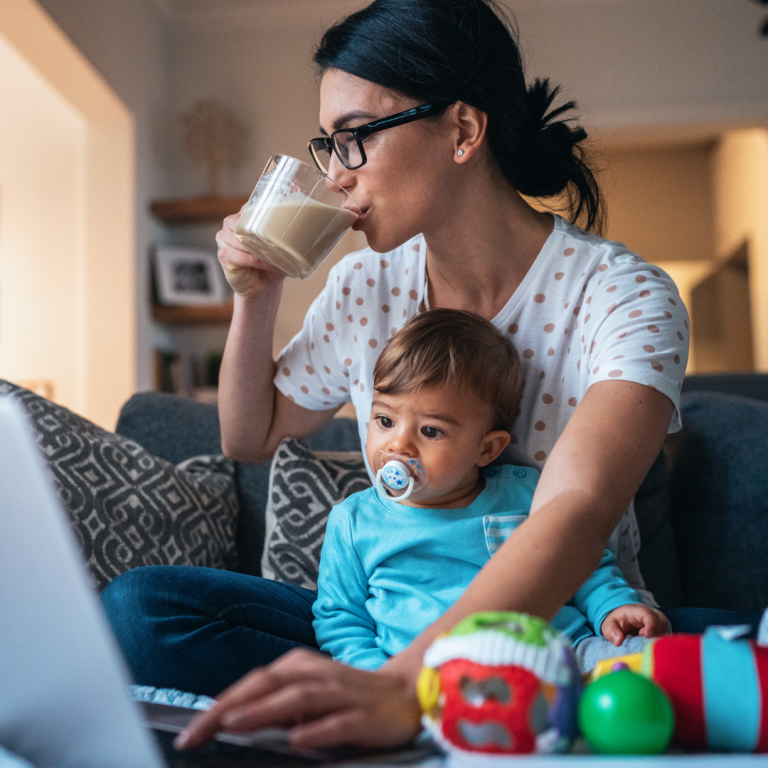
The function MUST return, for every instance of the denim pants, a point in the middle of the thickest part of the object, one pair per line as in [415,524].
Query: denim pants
[201,629]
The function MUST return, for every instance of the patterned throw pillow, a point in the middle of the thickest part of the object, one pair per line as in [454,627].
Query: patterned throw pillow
[127,507]
[303,487]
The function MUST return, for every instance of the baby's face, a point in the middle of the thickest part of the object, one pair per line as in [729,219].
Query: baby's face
[442,428]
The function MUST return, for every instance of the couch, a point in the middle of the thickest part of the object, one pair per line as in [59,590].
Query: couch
[702,509]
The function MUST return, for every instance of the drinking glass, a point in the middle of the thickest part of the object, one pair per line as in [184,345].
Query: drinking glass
[295,217]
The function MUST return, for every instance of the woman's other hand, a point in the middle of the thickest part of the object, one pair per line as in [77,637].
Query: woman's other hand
[634,619]
[323,702]
[247,275]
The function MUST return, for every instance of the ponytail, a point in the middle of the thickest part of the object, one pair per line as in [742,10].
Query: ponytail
[545,157]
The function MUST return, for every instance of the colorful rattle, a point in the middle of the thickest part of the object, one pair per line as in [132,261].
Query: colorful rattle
[501,683]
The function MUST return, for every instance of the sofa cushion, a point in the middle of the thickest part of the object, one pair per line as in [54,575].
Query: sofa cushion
[303,488]
[128,507]
[176,428]
[719,498]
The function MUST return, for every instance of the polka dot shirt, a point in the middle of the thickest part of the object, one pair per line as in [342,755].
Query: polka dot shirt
[588,310]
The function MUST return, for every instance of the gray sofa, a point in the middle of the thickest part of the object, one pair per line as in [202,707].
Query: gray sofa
[702,510]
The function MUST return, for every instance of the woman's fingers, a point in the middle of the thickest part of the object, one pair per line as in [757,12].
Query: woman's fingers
[291,705]
[370,727]
[325,703]
[263,696]
[245,273]
[201,729]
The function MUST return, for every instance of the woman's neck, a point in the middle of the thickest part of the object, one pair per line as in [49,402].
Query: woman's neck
[481,248]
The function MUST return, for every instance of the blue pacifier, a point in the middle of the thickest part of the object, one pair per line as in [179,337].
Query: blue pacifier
[397,473]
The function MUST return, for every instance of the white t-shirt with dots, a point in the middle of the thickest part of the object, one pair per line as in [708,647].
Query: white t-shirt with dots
[588,310]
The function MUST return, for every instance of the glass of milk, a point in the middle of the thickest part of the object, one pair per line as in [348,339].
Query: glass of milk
[295,217]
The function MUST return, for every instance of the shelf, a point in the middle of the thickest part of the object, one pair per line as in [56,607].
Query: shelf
[207,313]
[195,210]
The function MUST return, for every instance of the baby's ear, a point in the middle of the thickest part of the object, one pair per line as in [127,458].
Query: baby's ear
[493,443]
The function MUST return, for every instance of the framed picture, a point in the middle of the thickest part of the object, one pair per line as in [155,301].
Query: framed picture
[188,276]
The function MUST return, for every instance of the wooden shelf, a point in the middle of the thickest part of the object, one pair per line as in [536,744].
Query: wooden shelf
[208,313]
[195,210]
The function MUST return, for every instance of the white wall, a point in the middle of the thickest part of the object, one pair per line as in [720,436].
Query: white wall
[71,315]
[40,241]
[641,63]
[126,43]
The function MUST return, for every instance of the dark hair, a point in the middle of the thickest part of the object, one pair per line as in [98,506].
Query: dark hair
[454,348]
[443,51]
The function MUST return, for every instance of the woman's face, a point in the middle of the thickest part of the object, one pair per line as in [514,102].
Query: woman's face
[404,187]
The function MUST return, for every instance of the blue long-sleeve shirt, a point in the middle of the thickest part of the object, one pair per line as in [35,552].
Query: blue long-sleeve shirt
[388,571]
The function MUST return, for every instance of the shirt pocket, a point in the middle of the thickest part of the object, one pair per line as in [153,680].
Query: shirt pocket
[498,528]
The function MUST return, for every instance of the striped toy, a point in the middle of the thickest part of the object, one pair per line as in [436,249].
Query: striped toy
[718,686]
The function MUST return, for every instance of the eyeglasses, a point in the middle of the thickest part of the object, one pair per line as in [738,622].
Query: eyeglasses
[348,143]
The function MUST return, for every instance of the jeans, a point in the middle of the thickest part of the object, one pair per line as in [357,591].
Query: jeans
[201,629]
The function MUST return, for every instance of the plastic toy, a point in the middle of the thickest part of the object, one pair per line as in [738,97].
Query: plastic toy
[501,683]
[623,713]
[717,683]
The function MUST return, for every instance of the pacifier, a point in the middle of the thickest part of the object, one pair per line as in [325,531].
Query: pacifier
[396,473]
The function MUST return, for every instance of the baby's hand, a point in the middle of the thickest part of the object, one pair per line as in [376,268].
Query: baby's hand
[634,619]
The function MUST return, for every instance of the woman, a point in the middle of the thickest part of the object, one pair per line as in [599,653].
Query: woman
[603,337]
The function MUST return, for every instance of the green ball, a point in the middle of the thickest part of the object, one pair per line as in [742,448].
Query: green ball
[623,713]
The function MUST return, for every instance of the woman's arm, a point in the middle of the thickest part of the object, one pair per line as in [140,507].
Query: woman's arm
[597,465]
[254,415]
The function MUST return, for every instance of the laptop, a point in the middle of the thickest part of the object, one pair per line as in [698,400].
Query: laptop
[64,687]
[64,696]
[64,699]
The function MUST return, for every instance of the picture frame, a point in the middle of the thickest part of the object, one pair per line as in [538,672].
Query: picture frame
[186,276]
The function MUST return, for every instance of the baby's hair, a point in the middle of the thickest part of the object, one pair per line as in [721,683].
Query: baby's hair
[451,347]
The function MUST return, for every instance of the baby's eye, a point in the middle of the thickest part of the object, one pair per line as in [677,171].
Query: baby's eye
[385,422]
[431,432]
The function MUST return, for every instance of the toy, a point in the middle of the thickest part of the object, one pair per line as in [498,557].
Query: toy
[718,685]
[624,713]
[501,683]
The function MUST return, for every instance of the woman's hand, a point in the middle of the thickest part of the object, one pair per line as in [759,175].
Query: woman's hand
[323,702]
[247,275]
[634,619]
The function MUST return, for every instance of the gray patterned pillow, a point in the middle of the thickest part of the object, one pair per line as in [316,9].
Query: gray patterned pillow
[303,487]
[129,508]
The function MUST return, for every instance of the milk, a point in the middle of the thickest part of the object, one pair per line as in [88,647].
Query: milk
[293,233]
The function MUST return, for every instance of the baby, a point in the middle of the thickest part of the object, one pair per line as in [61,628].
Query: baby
[398,555]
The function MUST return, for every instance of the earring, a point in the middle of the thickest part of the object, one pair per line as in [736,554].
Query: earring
[460,153]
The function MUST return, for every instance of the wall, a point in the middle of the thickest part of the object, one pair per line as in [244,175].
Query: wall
[636,64]
[741,193]
[92,294]
[127,44]
[40,210]
[660,200]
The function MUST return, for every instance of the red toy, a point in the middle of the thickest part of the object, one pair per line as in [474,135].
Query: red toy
[718,686]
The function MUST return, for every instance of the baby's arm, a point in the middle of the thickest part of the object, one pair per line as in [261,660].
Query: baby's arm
[607,595]
[634,619]
[343,626]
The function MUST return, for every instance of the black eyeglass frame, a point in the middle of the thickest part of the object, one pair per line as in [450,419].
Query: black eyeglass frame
[363,131]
